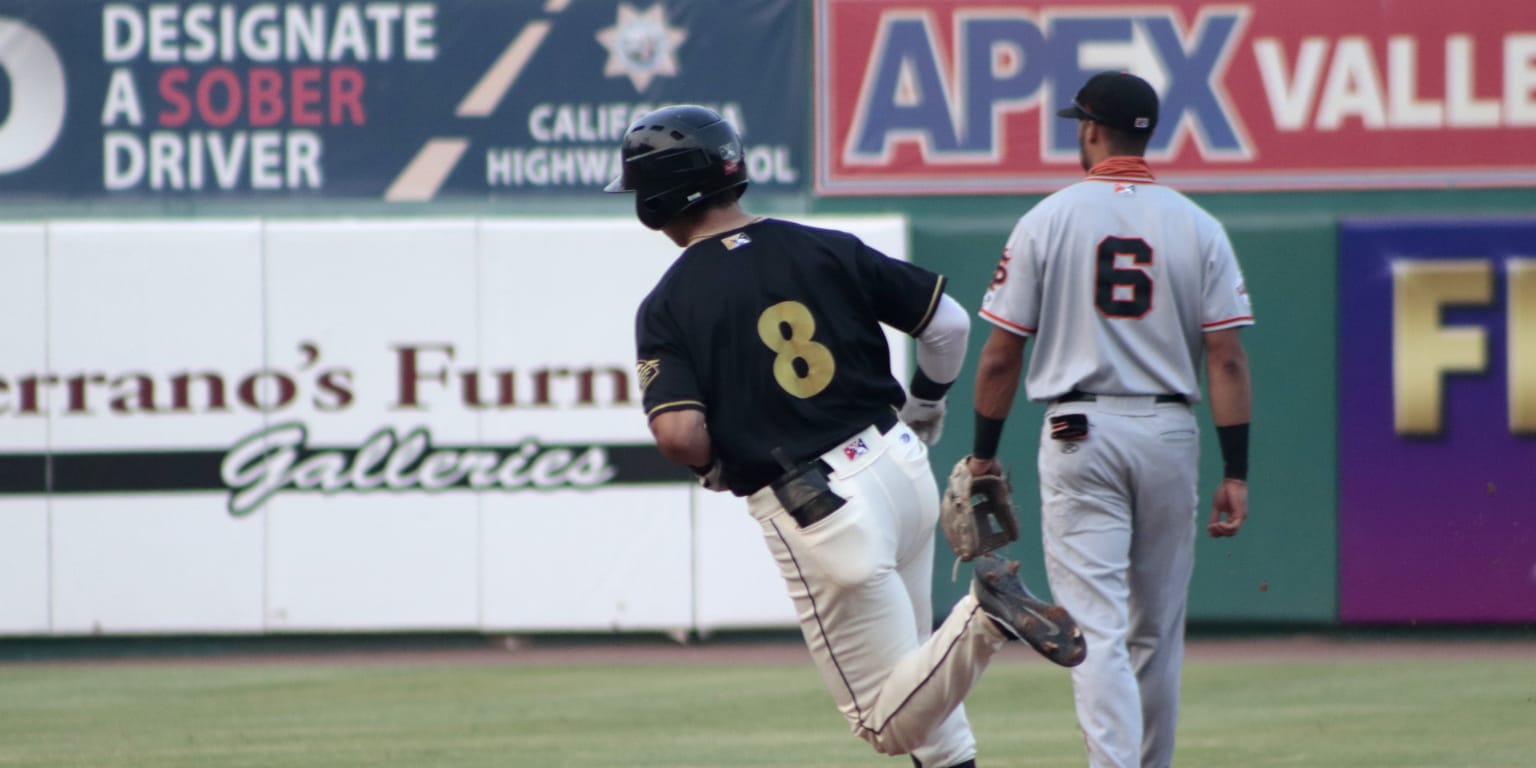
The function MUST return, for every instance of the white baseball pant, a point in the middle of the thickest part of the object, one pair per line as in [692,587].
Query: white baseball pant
[861,581]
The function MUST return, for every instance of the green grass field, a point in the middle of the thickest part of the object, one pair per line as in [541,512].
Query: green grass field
[1358,713]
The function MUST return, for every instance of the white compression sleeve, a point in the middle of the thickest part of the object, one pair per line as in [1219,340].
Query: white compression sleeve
[941,346]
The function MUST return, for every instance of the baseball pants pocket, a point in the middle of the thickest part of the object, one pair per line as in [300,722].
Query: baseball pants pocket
[1178,436]
[844,549]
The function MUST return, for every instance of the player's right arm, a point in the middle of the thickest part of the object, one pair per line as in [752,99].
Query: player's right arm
[674,404]
[1012,305]
[997,382]
[682,437]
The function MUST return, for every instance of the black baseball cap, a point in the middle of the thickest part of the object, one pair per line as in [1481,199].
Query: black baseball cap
[1119,100]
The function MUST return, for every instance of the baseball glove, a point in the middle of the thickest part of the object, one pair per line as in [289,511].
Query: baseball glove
[976,513]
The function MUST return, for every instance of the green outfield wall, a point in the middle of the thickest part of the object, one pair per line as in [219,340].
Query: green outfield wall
[1284,566]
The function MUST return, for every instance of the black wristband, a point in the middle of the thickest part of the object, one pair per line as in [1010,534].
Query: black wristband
[926,388]
[1234,450]
[989,432]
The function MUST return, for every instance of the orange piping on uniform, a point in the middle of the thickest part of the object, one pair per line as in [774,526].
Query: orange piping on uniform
[1009,324]
[1244,318]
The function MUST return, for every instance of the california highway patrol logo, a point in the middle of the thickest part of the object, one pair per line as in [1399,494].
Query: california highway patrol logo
[641,46]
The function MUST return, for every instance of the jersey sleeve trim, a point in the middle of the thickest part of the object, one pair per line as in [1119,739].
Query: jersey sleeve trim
[1231,322]
[933,304]
[1007,325]
[675,405]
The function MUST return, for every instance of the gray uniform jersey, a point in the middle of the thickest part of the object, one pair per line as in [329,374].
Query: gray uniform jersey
[1117,279]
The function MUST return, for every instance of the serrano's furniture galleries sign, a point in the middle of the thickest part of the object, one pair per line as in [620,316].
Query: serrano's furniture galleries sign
[401,101]
[249,426]
[960,96]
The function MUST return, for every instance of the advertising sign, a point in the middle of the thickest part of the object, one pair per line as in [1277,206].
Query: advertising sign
[1437,421]
[960,96]
[404,101]
[333,425]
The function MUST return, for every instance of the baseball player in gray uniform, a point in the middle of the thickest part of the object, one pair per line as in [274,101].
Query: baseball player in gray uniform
[1125,284]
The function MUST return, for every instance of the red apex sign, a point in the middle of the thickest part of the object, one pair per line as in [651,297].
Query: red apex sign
[960,96]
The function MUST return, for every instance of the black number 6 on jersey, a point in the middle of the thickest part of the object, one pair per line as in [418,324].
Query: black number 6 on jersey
[801,367]
[1123,291]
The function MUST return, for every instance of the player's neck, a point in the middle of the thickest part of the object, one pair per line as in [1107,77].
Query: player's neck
[714,222]
[1122,166]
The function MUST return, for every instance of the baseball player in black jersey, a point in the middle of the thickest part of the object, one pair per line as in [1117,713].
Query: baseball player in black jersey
[764,368]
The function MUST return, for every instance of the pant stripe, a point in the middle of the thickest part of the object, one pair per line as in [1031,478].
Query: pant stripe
[820,627]
[959,636]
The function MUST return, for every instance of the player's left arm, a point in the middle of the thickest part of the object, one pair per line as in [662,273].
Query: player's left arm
[1227,310]
[1231,396]
[941,348]
[912,299]
[940,355]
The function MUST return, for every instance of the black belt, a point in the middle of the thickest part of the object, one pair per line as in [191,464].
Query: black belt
[1087,397]
[884,423]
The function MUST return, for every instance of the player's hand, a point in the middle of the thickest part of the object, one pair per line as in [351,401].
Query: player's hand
[925,417]
[980,467]
[1229,508]
[712,479]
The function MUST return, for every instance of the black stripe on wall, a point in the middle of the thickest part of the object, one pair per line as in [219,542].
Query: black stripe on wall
[146,471]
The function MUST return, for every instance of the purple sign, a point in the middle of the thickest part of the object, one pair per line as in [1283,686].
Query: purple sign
[1437,420]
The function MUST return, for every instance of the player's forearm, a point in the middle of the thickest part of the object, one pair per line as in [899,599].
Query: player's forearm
[997,379]
[997,373]
[1229,382]
[1231,398]
[941,350]
[682,437]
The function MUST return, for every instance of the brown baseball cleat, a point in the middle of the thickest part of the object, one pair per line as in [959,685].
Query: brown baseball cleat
[1049,629]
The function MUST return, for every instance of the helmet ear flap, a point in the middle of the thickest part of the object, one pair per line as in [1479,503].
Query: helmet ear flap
[653,212]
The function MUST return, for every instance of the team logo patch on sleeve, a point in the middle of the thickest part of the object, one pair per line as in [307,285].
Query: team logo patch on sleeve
[646,371]
[855,449]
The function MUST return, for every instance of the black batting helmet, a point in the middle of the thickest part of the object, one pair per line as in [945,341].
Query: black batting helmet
[676,157]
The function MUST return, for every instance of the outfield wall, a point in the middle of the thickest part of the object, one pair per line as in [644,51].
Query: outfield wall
[351,425]
[378,425]
[255,191]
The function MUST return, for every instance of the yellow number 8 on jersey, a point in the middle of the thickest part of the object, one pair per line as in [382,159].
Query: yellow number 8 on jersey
[803,367]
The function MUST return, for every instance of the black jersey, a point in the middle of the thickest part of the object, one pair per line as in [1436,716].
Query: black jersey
[773,330]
